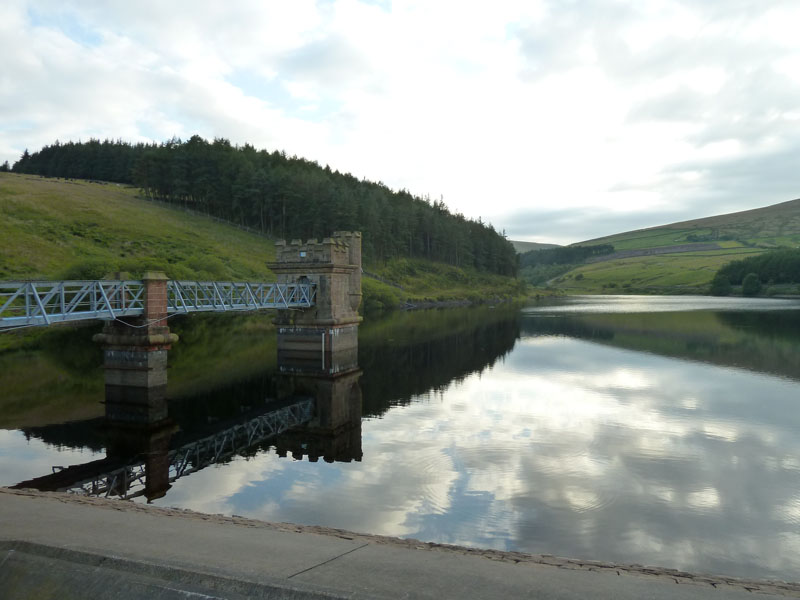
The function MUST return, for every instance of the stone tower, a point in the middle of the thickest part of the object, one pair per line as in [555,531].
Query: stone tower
[334,265]
[323,338]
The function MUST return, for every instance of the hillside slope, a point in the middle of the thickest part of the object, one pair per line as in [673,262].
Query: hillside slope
[73,229]
[284,196]
[775,225]
[683,257]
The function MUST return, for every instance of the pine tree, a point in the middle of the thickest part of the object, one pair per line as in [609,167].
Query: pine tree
[22,163]
[284,195]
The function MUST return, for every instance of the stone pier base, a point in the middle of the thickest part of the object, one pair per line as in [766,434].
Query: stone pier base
[323,350]
[136,384]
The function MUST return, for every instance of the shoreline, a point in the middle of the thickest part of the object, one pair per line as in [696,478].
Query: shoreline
[661,574]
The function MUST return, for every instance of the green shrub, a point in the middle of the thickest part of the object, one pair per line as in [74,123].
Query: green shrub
[182,273]
[720,285]
[751,285]
[207,267]
[378,296]
[89,269]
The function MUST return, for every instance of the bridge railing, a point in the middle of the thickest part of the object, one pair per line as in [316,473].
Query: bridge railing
[195,296]
[130,481]
[31,303]
[26,303]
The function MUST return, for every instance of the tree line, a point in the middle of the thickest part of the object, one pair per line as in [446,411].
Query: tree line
[537,267]
[777,266]
[282,196]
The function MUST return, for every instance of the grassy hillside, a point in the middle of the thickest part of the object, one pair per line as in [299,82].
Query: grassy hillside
[280,195]
[411,281]
[60,229]
[76,229]
[683,257]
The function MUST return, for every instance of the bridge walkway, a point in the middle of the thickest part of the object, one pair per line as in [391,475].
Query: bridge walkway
[38,303]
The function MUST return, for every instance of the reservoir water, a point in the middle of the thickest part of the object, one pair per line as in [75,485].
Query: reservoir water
[649,430]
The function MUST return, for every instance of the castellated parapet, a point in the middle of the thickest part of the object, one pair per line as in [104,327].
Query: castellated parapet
[334,265]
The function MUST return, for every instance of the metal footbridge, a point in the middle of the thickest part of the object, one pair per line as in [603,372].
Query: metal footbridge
[35,303]
[109,478]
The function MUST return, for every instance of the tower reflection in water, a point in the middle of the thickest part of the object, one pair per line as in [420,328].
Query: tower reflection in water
[316,413]
[322,363]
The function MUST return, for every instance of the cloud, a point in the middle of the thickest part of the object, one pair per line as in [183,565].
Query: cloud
[22,458]
[332,61]
[524,108]
[747,181]
[569,225]
[751,111]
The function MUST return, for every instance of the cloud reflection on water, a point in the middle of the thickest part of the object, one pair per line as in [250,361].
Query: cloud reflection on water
[19,457]
[566,447]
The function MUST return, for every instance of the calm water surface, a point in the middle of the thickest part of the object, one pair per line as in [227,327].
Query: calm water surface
[658,431]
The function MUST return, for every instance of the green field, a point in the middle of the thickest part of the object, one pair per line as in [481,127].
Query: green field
[666,273]
[680,269]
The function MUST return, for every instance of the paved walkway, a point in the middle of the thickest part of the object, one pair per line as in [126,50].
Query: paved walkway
[59,546]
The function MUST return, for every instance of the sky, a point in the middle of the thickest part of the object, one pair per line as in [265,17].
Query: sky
[554,120]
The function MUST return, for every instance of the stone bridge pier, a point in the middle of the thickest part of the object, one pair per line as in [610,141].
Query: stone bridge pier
[135,359]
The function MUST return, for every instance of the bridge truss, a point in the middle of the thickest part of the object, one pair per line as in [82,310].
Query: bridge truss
[44,302]
[195,296]
[32,303]
[129,482]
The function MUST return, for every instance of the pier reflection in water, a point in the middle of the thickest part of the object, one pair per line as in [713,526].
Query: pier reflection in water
[316,413]
[667,438]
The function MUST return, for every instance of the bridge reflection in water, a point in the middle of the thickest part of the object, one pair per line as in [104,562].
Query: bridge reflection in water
[316,414]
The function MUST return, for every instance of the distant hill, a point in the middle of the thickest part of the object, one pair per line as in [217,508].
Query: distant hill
[683,257]
[522,247]
[771,226]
